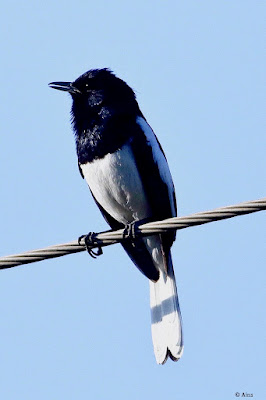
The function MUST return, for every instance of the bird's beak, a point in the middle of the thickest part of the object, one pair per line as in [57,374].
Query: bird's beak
[65,86]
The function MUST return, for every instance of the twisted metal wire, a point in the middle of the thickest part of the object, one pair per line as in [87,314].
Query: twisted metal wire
[112,237]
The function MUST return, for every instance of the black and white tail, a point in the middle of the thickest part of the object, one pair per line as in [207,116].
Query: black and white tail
[166,317]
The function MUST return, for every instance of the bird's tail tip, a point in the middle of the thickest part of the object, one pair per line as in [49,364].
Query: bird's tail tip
[166,320]
[169,354]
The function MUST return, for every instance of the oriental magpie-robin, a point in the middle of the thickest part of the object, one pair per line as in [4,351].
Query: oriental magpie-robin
[127,173]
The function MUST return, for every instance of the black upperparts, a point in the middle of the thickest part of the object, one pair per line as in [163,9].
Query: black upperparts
[104,112]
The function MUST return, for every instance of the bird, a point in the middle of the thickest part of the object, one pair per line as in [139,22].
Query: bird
[126,170]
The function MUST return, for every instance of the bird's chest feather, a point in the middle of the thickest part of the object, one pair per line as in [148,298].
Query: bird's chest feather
[115,183]
[102,133]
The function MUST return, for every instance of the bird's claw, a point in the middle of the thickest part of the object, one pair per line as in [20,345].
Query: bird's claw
[131,231]
[90,241]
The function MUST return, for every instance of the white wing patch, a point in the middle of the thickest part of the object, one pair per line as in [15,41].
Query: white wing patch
[159,159]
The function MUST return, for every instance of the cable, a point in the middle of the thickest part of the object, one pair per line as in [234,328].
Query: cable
[112,237]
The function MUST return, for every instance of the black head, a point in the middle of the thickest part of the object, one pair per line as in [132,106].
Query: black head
[103,110]
[99,86]
[98,92]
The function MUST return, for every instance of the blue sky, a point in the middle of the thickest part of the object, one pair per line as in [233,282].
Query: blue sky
[76,328]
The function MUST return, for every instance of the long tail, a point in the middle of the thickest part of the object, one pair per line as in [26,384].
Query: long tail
[166,317]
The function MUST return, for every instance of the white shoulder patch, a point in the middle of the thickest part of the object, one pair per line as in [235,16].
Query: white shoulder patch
[159,159]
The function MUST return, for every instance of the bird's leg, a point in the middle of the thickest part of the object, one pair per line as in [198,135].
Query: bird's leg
[90,241]
[131,230]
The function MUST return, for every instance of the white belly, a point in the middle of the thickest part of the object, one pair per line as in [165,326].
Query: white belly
[116,185]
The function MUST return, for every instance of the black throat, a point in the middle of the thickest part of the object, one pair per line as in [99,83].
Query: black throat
[102,123]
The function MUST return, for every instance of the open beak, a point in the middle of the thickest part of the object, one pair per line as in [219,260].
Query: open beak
[65,86]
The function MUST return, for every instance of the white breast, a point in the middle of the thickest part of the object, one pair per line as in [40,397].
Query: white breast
[115,183]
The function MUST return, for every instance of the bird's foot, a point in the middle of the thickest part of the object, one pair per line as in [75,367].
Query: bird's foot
[131,230]
[90,242]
